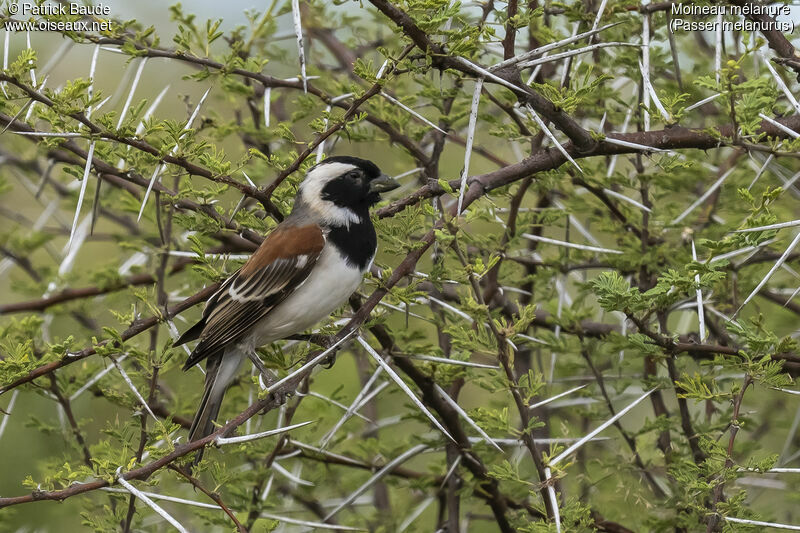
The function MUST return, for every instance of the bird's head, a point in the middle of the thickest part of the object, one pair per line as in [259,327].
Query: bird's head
[341,189]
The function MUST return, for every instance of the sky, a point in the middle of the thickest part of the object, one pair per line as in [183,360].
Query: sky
[157,13]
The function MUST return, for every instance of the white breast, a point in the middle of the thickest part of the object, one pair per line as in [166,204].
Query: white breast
[328,286]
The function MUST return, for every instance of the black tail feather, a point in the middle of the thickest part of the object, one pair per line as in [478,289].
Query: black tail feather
[203,422]
[221,369]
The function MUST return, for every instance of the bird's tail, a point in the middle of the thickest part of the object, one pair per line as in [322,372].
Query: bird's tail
[221,370]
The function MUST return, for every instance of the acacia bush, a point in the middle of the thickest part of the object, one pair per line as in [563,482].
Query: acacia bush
[566,327]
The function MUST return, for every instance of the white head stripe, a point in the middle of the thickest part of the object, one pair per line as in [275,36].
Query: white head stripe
[311,193]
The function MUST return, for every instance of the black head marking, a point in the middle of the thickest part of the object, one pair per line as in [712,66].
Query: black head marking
[369,168]
[351,190]
[352,185]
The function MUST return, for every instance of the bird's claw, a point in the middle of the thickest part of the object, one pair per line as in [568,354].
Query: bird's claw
[330,359]
[326,341]
[281,397]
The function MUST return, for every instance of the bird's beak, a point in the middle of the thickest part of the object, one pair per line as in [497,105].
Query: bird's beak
[383,183]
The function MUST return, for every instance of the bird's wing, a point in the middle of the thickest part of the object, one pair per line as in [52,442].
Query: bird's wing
[282,262]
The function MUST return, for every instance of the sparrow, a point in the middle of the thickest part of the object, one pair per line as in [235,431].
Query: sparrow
[304,270]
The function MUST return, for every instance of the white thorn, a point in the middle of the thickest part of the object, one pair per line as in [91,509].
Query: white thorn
[483,73]
[32,71]
[703,101]
[700,314]
[552,137]
[613,162]
[718,48]
[781,84]
[457,362]
[307,523]
[787,131]
[463,414]
[415,513]
[779,225]
[291,477]
[556,397]
[552,46]
[133,388]
[128,100]
[173,499]
[9,408]
[298,31]
[267,103]
[570,244]
[97,377]
[645,70]
[150,503]
[310,364]
[760,523]
[635,146]
[382,70]
[761,170]
[397,379]
[321,147]
[82,193]
[358,401]
[401,105]
[775,267]
[571,53]
[473,118]
[408,454]
[551,494]
[705,195]
[649,88]
[624,198]
[221,441]
[160,168]
[92,68]
[566,453]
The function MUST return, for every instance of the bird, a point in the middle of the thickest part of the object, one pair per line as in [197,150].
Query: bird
[307,267]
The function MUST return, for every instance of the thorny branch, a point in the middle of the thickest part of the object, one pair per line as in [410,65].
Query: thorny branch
[583,144]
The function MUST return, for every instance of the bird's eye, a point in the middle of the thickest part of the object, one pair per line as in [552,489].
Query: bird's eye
[354,175]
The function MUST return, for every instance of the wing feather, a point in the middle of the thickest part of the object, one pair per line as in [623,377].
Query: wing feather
[252,292]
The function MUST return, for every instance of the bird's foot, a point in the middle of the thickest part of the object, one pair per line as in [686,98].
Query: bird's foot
[327,342]
[330,359]
[279,397]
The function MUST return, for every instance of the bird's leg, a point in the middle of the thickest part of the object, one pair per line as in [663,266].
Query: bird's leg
[269,377]
[320,340]
[326,341]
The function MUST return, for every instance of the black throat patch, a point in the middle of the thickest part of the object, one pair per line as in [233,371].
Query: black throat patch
[356,242]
